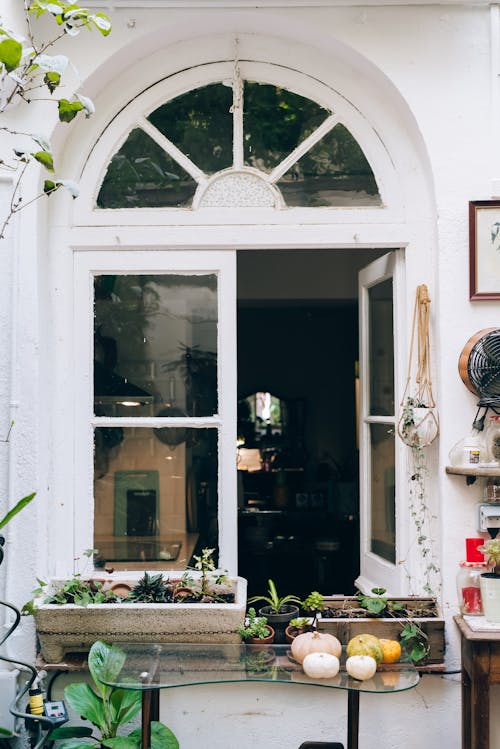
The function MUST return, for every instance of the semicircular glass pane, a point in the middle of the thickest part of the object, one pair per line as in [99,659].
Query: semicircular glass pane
[142,175]
[275,122]
[200,124]
[334,172]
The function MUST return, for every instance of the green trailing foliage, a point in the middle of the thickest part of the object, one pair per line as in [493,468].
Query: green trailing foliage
[107,708]
[28,72]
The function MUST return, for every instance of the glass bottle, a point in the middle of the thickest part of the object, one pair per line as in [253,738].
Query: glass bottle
[468,590]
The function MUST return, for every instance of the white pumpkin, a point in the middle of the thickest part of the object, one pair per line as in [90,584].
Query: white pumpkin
[315,642]
[361,667]
[321,665]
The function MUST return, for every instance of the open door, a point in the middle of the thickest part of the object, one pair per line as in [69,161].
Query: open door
[381,531]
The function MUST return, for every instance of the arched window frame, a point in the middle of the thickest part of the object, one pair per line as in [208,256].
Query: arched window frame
[133,115]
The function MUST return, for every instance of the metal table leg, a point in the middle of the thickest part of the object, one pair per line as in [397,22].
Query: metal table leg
[150,711]
[352,719]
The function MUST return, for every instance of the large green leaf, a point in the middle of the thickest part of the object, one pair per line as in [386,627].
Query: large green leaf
[70,732]
[161,736]
[124,703]
[122,742]
[10,54]
[17,508]
[105,663]
[86,703]
[76,744]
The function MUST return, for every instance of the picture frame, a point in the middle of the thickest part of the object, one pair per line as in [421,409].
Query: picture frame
[484,250]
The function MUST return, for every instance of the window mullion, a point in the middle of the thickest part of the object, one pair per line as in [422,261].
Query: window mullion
[303,147]
[172,150]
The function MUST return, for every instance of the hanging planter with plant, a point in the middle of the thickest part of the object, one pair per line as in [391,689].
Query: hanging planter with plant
[418,427]
[418,424]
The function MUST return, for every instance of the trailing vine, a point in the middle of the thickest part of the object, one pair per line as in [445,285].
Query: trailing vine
[418,427]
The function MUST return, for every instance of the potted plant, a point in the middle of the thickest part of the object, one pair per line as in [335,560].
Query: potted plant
[107,708]
[278,610]
[256,630]
[416,621]
[314,604]
[204,605]
[489,582]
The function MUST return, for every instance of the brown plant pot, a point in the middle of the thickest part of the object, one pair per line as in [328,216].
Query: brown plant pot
[262,640]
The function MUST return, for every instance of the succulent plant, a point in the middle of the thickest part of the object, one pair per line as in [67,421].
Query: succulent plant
[150,589]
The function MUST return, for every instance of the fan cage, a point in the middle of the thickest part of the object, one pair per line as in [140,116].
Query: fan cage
[483,368]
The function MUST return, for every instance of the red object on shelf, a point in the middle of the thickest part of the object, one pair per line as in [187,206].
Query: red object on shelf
[471,601]
[472,554]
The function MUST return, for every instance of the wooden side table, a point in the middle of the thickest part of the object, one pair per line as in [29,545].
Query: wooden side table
[480,669]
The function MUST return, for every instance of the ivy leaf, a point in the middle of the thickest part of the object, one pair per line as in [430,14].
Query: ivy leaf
[69,109]
[49,186]
[44,158]
[101,22]
[52,81]
[10,54]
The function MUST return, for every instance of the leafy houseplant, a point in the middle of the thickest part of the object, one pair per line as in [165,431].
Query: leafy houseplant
[279,609]
[255,628]
[314,604]
[107,708]
[489,582]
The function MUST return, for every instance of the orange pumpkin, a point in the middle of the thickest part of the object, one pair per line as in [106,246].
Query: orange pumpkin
[391,651]
[315,642]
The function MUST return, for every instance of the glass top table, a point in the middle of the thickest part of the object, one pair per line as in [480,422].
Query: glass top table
[149,667]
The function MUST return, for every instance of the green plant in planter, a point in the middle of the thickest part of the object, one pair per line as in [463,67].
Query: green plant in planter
[149,589]
[255,627]
[378,605]
[491,550]
[107,708]
[314,603]
[274,601]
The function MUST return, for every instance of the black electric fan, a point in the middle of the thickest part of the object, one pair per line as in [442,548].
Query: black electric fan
[479,367]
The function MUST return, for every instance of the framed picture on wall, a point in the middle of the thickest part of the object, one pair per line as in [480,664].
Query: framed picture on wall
[484,249]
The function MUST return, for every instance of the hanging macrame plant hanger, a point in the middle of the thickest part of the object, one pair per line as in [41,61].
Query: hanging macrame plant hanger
[418,424]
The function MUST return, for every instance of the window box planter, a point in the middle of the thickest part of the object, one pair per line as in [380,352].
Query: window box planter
[344,618]
[67,628]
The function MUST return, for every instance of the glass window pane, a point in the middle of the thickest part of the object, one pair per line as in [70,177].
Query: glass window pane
[155,495]
[200,124]
[155,345]
[142,175]
[275,122]
[334,172]
[381,349]
[383,492]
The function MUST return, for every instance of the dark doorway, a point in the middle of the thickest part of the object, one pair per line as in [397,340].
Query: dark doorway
[298,490]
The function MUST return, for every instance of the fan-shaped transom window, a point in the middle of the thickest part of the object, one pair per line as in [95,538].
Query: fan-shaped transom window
[244,144]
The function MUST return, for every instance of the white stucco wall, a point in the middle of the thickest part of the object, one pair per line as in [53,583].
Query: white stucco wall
[424,77]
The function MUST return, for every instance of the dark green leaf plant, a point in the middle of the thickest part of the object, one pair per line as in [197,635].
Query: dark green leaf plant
[108,709]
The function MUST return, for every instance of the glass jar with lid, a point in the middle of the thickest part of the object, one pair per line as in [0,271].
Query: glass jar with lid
[468,590]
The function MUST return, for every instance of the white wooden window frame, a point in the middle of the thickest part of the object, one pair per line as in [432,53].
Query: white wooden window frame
[86,266]
[374,570]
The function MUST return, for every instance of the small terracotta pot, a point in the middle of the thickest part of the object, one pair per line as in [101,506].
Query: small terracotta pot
[263,640]
[121,589]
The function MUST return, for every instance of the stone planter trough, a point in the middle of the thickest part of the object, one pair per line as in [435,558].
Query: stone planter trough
[68,628]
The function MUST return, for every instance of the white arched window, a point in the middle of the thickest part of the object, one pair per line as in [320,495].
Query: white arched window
[246,145]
